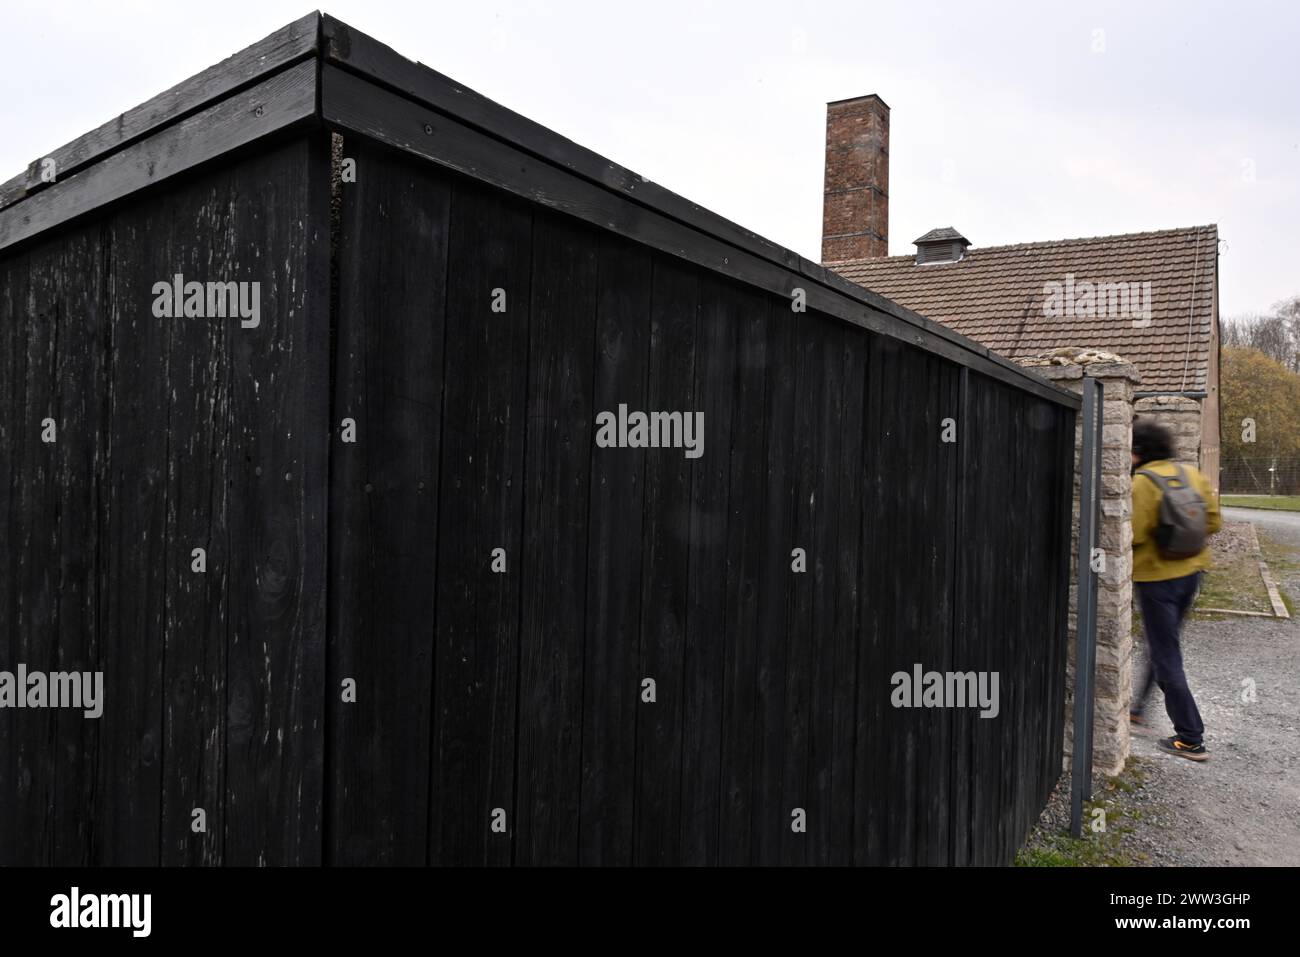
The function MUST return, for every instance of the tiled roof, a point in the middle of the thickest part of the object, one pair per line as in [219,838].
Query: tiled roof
[1016,299]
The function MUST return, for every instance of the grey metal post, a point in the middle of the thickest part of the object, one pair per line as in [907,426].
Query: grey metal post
[1085,652]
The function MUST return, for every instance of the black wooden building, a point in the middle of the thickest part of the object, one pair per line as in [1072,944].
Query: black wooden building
[428,602]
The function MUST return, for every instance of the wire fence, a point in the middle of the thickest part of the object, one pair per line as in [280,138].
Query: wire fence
[1259,475]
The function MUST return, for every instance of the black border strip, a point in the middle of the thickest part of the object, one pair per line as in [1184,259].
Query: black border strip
[281,101]
[285,47]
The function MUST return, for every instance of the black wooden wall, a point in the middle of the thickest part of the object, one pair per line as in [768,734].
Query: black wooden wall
[521,691]
[372,560]
[173,434]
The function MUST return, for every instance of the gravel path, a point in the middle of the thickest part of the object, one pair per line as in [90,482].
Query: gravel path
[1243,805]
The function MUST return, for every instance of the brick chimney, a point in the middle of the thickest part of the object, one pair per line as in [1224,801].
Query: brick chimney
[855,209]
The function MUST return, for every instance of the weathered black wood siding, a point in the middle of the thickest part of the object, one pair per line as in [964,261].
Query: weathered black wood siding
[173,434]
[522,691]
[485,695]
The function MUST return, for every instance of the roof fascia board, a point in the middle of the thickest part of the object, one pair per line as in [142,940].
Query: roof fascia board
[282,101]
[285,47]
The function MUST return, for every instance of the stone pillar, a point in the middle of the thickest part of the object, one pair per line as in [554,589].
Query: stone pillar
[1114,682]
[1181,416]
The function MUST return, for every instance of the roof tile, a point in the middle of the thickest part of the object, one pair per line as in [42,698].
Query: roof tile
[999,296]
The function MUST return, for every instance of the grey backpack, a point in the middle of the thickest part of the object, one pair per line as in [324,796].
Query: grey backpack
[1181,529]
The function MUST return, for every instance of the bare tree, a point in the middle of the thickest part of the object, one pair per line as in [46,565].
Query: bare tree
[1288,311]
[1234,330]
[1276,333]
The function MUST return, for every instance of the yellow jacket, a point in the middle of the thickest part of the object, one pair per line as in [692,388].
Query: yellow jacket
[1148,566]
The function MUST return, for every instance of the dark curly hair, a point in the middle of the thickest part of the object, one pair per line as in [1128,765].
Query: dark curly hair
[1152,442]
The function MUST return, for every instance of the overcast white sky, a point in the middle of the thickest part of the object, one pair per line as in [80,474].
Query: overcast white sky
[1189,115]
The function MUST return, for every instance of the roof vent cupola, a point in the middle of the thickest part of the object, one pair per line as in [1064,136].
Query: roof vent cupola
[944,245]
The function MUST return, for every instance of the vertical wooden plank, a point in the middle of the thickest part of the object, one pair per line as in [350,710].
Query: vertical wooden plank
[480,509]
[134,547]
[748,316]
[922,630]
[1016,706]
[1053,426]
[77,315]
[1018,690]
[621,481]
[819,423]
[1045,618]
[1055,491]
[871,823]
[1047,613]
[19,439]
[279,430]
[801,640]
[904,428]
[33,539]
[983,645]
[198,470]
[835,843]
[667,569]
[979,418]
[962,770]
[1036,477]
[557,484]
[935,470]
[772,809]
[712,340]
[384,495]
[1063,522]
[1008,655]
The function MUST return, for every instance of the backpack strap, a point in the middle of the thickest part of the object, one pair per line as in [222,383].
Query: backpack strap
[1161,481]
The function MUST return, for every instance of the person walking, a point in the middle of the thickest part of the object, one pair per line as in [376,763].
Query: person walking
[1174,512]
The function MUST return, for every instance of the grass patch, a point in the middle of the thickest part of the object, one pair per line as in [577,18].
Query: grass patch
[1096,848]
[1285,503]
[1283,560]
[1279,555]
[1234,584]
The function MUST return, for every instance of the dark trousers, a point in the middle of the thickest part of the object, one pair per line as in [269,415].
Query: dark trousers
[1163,606]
